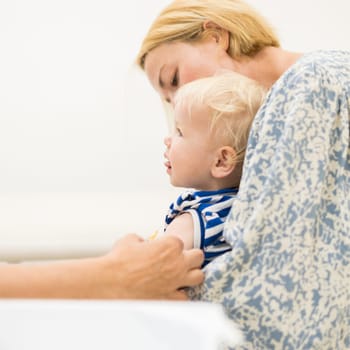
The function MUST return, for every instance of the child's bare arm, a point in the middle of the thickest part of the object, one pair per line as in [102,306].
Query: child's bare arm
[182,227]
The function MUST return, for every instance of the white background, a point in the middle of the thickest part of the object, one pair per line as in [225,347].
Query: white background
[81,130]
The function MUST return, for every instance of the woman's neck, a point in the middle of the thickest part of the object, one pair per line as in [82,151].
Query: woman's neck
[267,65]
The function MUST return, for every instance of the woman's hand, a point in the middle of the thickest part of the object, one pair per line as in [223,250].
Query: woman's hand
[155,269]
[134,269]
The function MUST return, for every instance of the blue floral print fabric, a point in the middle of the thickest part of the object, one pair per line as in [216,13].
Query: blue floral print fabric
[286,282]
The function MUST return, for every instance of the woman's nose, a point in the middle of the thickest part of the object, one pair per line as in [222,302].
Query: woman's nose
[169,98]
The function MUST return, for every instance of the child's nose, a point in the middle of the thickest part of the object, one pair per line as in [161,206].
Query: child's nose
[167,141]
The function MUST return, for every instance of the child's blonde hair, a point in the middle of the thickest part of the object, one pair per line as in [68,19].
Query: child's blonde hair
[183,20]
[233,101]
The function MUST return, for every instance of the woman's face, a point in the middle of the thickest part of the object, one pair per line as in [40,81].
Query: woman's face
[171,65]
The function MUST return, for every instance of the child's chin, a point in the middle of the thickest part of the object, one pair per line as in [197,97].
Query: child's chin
[178,184]
[175,183]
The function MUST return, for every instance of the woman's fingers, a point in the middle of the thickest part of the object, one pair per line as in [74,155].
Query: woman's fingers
[179,295]
[194,278]
[193,258]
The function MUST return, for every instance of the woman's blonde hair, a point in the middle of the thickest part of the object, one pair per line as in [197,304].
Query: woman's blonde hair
[184,20]
[233,101]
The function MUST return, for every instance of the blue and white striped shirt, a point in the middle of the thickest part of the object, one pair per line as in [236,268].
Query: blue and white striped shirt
[209,210]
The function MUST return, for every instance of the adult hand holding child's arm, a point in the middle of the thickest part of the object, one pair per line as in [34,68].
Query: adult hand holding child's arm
[134,269]
[157,269]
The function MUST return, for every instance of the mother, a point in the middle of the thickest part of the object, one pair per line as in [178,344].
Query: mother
[286,281]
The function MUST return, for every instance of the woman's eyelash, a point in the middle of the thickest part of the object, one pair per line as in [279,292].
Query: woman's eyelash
[174,81]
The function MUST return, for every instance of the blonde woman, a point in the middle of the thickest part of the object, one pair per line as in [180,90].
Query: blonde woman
[286,279]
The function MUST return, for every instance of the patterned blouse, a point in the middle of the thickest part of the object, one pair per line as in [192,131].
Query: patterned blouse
[286,282]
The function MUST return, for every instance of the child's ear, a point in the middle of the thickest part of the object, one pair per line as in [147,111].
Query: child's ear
[224,162]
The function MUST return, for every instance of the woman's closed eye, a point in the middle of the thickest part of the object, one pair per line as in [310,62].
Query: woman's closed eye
[175,79]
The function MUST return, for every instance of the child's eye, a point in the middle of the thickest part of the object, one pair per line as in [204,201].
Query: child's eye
[178,132]
[175,80]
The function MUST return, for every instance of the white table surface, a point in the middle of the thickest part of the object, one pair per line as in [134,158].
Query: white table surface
[122,325]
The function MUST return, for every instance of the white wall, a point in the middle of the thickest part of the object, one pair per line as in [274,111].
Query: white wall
[305,25]
[74,115]
[68,120]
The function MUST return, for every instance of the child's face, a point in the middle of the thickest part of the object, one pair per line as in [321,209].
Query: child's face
[190,149]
